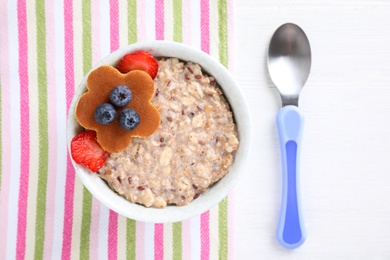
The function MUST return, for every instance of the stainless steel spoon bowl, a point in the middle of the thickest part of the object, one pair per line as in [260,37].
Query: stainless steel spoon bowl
[289,62]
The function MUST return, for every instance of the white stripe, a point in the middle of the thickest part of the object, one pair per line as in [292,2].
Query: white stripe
[15,130]
[195,23]
[77,218]
[77,42]
[214,36]
[231,37]
[122,243]
[149,241]
[103,231]
[150,20]
[186,21]
[104,28]
[186,238]
[168,250]
[104,51]
[231,225]
[168,20]
[61,130]
[123,30]
[141,27]
[195,238]
[95,32]
[94,229]
[34,129]
[78,75]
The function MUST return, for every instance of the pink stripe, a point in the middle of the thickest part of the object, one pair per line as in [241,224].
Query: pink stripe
[159,22]
[113,218]
[25,131]
[205,235]
[69,59]
[52,126]
[186,21]
[114,25]
[205,25]
[70,173]
[158,241]
[113,235]
[68,212]
[140,240]
[141,20]
[6,130]
[186,239]
[205,46]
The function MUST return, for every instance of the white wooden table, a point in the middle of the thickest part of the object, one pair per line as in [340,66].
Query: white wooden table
[345,156]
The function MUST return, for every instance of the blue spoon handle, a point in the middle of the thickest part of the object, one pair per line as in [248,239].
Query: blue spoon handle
[291,231]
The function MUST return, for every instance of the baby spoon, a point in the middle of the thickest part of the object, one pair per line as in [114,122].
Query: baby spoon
[289,62]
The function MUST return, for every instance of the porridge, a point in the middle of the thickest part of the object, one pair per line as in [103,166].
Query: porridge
[192,148]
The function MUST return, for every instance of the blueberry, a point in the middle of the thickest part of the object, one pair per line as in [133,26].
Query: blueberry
[128,119]
[105,114]
[121,96]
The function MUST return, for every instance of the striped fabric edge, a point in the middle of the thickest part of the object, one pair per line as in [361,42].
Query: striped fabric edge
[92,214]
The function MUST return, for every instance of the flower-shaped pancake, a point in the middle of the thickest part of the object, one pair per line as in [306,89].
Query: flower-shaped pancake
[100,82]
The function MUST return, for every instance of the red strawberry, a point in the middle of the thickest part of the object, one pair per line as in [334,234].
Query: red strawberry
[86,151]
[139,60]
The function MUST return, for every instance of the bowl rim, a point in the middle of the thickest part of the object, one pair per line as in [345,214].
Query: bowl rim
[214,195]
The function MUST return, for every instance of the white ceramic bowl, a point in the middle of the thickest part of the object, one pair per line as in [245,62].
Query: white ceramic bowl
[101,191]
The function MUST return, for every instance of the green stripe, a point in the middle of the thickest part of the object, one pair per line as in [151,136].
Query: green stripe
[177,21]
[87,64]
[43,130]
[223,32]
[132,38]
[130,239]
[85,224]
[177,228]
[176,241]
[223,229]
[87,41]
[132,20]
[223,58]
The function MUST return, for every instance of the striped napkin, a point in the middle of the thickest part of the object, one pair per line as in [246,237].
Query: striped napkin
[45,49]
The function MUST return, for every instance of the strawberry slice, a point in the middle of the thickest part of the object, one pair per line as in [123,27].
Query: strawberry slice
[139,60]
[86,151]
